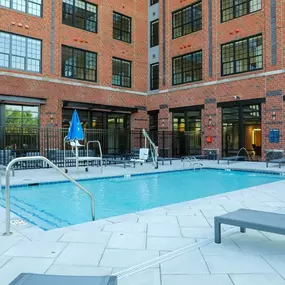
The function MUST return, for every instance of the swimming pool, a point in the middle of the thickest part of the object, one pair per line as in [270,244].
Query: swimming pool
[57,205]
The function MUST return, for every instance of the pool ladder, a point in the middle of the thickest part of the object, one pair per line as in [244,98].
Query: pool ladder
[42,158]
[192,163]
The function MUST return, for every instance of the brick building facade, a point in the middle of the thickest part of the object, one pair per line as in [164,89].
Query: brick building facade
[212,69]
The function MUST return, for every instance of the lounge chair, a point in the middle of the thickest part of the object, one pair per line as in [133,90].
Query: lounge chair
[251,219]
[231,158]
[40,279]
[164,159]
[125,162]
[143,156]
[278,160]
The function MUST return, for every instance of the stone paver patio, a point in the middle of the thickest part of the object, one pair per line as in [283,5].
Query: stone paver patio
[112,245]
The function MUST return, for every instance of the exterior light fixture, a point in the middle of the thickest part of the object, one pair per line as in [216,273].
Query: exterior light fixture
[210,121]
[274,116]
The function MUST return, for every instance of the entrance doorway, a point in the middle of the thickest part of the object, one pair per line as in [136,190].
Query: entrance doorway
[242,128]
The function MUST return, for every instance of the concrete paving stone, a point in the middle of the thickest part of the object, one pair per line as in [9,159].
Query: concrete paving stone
[150,276]
[208,213]
[189,263]
[158,219]
[126,258]
[250,235]
[36,249]
[116,270]
[177,206]
[87,237]
[126,228]
[153,212]
[274,237]
[163,230]
[239,264]
[127,241]
[7,242]
[78,270]
[18,265]
[197,279]
[91,226]
[168,243]
[37,234]
[4,260]
[201,233]
[133,218]
[227,247]
[260,279]
[81,254]
[277,262]
[184,212]
[193,221]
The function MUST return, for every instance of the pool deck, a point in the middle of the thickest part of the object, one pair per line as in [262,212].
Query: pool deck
[176,240]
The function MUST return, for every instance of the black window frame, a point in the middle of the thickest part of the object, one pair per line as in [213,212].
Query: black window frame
[182,20]
[152,76]
[152,2]
[26,7]
[153,40]
[72,65]
[121,30]
[73,14]
[121,77]
[234,56]
[190,70]
[234,6]
[26,52]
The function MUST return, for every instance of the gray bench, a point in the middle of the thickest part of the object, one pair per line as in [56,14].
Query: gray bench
[251,219]
[278,160]
[39,279]
[231,158]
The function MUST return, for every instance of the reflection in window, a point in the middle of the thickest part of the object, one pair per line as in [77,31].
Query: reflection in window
[122,73]
[122,26]
[242,56]
[33,7]
[18,52]
[79,64]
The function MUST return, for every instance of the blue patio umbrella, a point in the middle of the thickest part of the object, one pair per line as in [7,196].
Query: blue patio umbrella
[75,131]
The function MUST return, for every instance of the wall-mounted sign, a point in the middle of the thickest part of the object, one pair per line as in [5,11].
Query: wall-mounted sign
[274,136]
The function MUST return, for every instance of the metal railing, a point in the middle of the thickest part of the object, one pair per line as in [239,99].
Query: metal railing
[153,148]
[42,158]
[100,151]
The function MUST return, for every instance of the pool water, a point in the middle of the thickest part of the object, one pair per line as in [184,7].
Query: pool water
[57,205]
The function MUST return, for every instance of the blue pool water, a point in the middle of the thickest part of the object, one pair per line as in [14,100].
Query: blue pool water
[56,205]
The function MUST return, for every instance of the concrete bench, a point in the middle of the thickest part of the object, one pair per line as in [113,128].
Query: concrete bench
[279,161]
[39,279]
[231,158]
[251,219]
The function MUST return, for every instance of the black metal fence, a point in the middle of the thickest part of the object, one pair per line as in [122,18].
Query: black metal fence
[49,142]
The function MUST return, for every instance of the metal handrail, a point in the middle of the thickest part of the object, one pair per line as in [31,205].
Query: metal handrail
[154,151]
[31,158]
[100,150]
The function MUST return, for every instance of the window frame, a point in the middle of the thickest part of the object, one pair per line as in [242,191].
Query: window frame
[122,60]
[182,25]
[130,33]
[151,76]
[74,16]
[233,7]
[26,51]
[151,33]
[26,8]
[192,70]
[153,2]
[82,50]
[234,55]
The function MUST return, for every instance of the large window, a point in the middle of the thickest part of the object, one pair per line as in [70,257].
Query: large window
[122,72]
[122,27]
[152,2]
[33,7]
[242,55]
[79,64]
[154,76]
[154,33]
[187,68]
[231,9]
[18,52]
[79,14]
[187,20]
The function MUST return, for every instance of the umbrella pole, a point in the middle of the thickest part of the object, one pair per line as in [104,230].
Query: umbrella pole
[76,154]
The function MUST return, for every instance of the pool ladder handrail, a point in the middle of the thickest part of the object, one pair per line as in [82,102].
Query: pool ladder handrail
[193,162]
[42,158]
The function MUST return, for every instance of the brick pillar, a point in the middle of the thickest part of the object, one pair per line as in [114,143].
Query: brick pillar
[272,119]
[51,114]
[211,125]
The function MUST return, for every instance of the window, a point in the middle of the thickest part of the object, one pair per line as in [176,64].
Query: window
[122,72]
[122,27]
[187,68]
[33,7]
[18,52]
[231,9]
[187,20]
[242,55]
[152,2]
[79,64]
[154,33]
[79,14]
[154,76]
